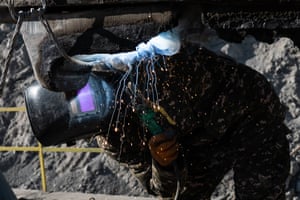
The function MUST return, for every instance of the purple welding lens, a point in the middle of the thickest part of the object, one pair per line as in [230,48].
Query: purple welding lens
[85,98]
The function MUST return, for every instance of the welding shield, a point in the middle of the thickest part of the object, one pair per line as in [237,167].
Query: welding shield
[58,117]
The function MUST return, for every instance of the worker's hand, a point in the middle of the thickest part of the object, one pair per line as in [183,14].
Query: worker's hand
[164,148]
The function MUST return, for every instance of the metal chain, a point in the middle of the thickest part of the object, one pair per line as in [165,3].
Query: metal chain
[19,18]
[100,66]
[40,13]
[10,47]
[63,53]
[11,9]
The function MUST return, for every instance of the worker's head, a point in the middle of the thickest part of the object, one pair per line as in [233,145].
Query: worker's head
[58,117]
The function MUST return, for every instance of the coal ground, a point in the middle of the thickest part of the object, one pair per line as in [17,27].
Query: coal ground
[276,58]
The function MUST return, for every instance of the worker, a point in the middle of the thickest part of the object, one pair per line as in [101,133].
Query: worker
[209,114]
[227,115]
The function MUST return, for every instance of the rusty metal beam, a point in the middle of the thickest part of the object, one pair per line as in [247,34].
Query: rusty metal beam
[89,8]
[56,3]
[63,9]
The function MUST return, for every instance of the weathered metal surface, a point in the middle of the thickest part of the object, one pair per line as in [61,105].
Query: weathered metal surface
[88,9]
[62,9]
[209,5]
[54,3]
[24,3]
[219,14]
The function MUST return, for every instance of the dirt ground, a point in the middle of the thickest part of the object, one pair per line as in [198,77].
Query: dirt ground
[38,195]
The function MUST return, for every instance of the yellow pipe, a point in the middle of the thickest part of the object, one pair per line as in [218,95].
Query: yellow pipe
[72,149]
[13,109]
[6,148]
[41,151]
[52,149]
[42,167]
[40,148]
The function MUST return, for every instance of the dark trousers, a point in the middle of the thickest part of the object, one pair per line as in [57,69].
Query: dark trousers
[258,153]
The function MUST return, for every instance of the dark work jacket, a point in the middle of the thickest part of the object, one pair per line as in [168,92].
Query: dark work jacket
[200,90]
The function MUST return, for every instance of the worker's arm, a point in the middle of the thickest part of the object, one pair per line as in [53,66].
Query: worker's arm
[164,149]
